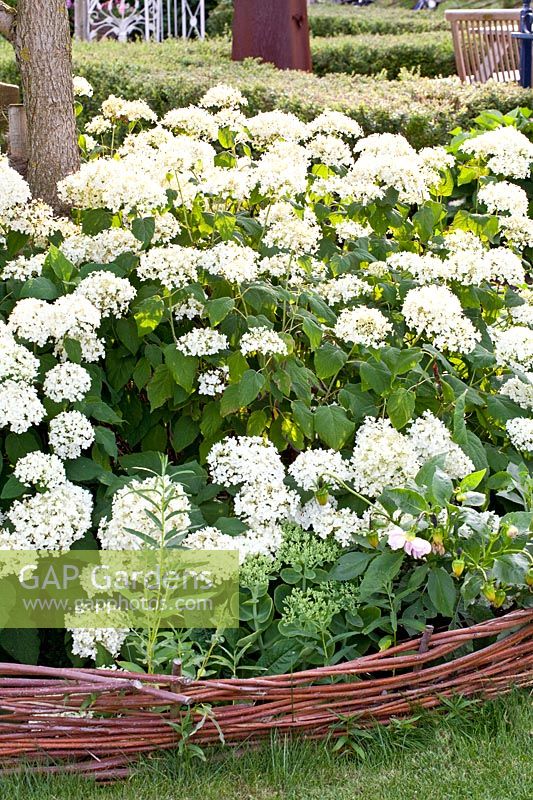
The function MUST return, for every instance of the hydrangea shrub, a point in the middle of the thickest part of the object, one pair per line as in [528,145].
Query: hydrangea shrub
[327,339]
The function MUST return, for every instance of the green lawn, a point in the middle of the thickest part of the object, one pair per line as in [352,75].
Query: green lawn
[473,754]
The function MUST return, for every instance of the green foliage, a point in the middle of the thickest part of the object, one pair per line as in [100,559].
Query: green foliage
[429,54]
[175,74]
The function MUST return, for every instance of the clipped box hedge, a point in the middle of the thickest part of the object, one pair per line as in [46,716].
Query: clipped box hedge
[382,17]
[429,53]
[336,20]
[177,73]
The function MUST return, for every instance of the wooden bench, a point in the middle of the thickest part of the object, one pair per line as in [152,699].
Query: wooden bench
[9,96]
[483,44]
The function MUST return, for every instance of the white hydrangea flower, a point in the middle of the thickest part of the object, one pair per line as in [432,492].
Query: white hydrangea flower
[213,381]
[32,320]
[103,248]
[52,520]
[313,468]
[337,123]
[167,228]
[262,340]
[225,183]
[327,520]
[189,309]
[286,230]
[231,118]
[16,361]
[520,391]
[504,197]
[99,125]
[131,507]
[363,326]
[67,381]
[85,641]
[382,457]
[40,470]
[523,314]
[520,430]
[264,128]
[117,108]
[467,262]
[264,503]
[127,184]
[330,150]
[175,266]
[393,144]
[282,170]
[14,190]
[82,87]
[348,229]
[202,342]
[505,266]
[36,219]
[430,437]
[434,311]
[222,96]
[211,538]
[175,162]
[107,292]
[75,317]
[355,186]
[262,539]
[508,151]
[70,433]
[388,160]
[514,347]
[193,121]
[236,263]
[72,313]
[20,407]
[426,268]
[23,268]
[518,230]
[343,289]
[245,459]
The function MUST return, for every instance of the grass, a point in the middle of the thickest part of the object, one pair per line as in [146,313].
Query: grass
[474,753]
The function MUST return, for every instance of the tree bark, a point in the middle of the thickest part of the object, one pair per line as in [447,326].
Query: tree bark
[40,34]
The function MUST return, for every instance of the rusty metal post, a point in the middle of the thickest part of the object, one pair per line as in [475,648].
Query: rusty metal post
[276,31]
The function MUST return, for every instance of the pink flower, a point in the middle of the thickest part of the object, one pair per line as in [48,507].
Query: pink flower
[413,545]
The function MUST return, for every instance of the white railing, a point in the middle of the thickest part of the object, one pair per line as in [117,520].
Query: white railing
[147,19]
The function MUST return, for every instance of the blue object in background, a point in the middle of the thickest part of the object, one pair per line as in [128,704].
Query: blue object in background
[526,41]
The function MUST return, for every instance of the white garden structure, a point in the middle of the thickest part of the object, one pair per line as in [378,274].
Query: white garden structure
[147,19]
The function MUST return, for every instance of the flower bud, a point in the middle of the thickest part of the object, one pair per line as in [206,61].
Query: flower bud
[461,497]
[458,566]
[529,576]
[322,496]
[499,599]
[373,539]
[512,531]
[490,592]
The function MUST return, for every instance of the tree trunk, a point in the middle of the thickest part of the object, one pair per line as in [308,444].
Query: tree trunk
[41,37]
